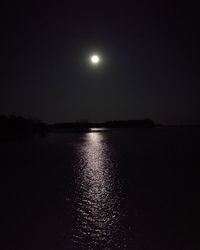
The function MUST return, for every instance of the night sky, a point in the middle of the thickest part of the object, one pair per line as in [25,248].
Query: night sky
[150,60]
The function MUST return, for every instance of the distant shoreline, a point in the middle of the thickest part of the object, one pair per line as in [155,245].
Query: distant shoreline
[146,123]
[16,127]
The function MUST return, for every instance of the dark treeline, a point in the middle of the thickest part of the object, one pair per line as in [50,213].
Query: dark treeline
[146,123]
[17,126]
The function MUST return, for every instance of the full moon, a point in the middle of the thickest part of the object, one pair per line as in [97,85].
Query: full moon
[95,59]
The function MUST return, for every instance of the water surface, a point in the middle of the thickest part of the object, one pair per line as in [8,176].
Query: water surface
[120,189]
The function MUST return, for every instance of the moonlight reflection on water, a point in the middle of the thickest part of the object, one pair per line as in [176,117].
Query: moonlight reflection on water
[97,201]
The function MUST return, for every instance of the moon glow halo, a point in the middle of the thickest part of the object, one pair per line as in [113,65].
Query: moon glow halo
[95,59]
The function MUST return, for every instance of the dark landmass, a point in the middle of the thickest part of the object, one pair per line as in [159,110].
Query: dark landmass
[146,123]
[17,127]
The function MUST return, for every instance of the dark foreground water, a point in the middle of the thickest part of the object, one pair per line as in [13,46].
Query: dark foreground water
[121,189]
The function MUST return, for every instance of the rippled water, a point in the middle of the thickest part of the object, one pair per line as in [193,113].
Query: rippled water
[97,199]
[119,189]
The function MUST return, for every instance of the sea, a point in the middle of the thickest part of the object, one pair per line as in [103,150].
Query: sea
[104,189]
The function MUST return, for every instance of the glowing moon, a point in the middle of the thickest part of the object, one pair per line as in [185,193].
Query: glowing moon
[95,59]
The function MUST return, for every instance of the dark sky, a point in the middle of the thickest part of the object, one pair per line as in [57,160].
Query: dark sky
[150,66]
